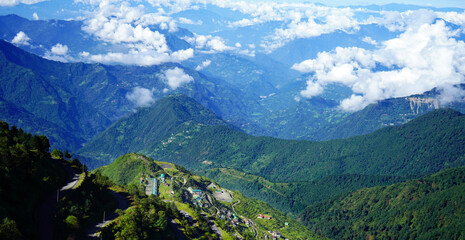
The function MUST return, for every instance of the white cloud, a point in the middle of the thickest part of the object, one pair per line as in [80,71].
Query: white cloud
[324,21]
[313,89]
[453,17]
[182,55]
[247,52]
[369,40]
[10,3]
[21,39]
[84,54]
[59,53]
[35,16]
[176,77]
[128,26]
[141,97]
[146,58]
[59,49]
[217,44]
[204,64]
[401,21]
[353,103]
[208,43]
[418,60]
[189,21]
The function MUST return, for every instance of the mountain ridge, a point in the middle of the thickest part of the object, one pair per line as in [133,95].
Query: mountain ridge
[429,207]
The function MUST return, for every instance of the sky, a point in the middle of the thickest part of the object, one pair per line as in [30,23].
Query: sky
[437,3]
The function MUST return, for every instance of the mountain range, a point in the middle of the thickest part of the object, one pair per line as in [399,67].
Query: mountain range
[423,146]
[89,97]
[227,120]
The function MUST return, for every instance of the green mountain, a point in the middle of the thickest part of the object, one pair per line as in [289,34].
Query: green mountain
[19,116]
[424,145]
[294,197]
[390,112]
[427,208]
[149,126]
[128,168]
[220,205]
[84,99]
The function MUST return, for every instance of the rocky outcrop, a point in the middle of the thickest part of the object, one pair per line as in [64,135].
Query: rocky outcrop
[420,105]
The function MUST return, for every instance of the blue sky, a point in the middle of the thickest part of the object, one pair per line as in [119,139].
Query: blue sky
[64,9]
[445,3]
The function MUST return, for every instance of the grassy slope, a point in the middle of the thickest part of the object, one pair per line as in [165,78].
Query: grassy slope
[127,169]
[427,208]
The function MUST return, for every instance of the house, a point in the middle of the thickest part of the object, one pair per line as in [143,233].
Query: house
[275,234]
[260,216]
[267,217]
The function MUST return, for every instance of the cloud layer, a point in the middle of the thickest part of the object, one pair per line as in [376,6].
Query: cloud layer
[418,60]
[10,3]
[130,27]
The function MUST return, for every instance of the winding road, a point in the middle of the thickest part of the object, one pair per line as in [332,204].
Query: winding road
[44,214]
[123,204]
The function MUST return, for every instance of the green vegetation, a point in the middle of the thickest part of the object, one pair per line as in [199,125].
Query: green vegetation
[251,208]
[148,126]
[209,208]
[27,175]
[147,219]
[422,146]
[389,112]
[129,168]
[428,208]
[288,174]
[84,206]
[293,197]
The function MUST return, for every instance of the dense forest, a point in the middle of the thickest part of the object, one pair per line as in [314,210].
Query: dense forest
[422,146]
[427,208]
[293,197]
[288,174]
[27,175]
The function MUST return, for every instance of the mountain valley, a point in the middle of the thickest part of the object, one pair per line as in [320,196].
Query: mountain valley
[231,120]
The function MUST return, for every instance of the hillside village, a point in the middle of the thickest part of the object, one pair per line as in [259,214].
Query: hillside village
[216,204]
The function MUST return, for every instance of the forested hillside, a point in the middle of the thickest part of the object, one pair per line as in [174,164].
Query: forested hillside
[389,112]
[75,101]
[27,175]
[289,174]
[422,146]
[293,197]
[427,208]
[149,126]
